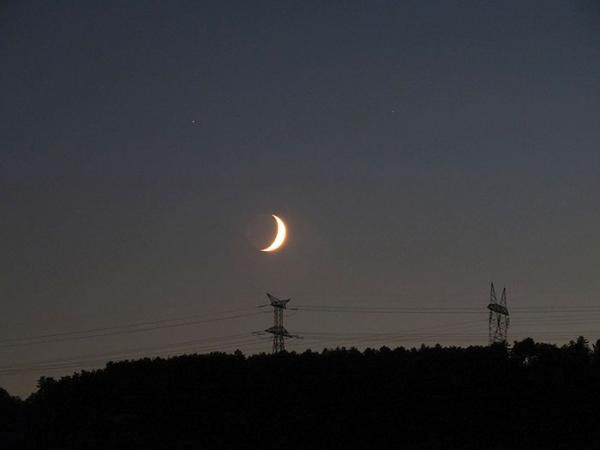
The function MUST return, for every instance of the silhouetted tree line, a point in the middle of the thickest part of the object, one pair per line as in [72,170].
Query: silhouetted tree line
[533,396]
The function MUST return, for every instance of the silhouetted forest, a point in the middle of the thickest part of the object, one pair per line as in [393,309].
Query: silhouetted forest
[531,396]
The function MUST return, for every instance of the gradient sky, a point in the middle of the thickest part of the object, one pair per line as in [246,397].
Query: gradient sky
[417,150]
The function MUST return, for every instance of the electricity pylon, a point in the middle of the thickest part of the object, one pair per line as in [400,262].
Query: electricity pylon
[499,318]
[278,330]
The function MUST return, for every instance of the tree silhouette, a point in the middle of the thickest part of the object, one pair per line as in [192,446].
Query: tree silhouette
[532,396]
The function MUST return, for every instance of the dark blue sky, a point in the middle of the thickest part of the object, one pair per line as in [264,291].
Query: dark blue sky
[417,151]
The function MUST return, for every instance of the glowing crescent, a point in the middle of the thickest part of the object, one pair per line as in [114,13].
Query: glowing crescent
[279,238]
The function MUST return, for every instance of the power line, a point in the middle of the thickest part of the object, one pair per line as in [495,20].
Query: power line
[552,315]
[439,310]
[114,331]
[136,327]
[77,361]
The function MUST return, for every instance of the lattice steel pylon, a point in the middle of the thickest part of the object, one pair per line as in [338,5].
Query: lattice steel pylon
[499,318]
[278,330]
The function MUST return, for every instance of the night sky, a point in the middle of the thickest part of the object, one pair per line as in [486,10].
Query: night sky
[417,150]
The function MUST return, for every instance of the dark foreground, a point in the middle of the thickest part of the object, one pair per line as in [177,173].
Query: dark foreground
[536,396]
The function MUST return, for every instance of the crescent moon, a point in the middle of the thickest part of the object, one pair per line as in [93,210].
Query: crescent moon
[279,238]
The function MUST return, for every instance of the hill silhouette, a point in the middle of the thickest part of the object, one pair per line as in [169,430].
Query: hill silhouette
[532,396]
